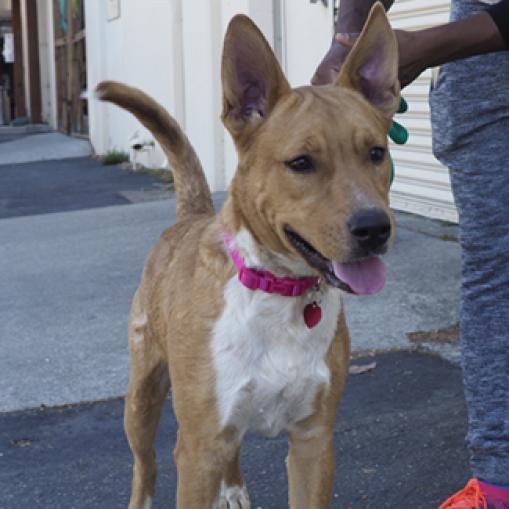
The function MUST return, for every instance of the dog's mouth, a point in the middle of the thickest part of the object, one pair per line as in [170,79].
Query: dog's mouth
[361,277]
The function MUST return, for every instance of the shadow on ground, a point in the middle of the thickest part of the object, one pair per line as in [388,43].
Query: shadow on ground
[399,440]
[70,184]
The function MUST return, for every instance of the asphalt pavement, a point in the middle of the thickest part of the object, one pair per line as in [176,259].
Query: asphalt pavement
[71,252]
[29,189]
[398,437]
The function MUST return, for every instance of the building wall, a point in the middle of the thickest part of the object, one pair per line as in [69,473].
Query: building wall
[307,30]
[137,48]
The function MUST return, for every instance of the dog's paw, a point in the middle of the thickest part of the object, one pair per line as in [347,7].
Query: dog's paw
[234,497]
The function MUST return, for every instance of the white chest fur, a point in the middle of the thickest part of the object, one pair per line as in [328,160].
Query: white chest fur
[269,366]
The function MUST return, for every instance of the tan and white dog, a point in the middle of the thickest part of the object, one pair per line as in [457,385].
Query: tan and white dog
[309,202]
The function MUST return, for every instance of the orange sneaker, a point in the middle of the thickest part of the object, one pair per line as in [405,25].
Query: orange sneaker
[472,497]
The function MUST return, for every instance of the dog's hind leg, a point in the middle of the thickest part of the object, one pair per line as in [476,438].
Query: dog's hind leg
[146,395]
[148,389]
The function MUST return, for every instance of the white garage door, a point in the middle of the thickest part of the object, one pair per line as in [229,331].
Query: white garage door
[422,183]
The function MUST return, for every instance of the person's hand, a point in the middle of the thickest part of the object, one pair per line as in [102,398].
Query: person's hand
[330,66]
[411,63]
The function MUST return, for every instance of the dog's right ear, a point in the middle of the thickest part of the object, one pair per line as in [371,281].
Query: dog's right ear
[252,78]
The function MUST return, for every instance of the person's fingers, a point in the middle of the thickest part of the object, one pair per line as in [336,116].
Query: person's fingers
[325,74]
[346,39]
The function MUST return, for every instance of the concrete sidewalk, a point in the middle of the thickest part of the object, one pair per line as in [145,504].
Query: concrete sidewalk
[29,146]
[67,280]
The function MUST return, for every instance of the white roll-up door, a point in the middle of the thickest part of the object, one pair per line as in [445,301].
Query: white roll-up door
[422,184]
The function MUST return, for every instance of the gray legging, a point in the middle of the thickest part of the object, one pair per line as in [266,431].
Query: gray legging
[470,117]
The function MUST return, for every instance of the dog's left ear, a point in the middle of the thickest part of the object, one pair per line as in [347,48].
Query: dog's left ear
[372,65]
[252,78]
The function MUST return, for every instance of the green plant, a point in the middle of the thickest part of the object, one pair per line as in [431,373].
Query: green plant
[115,157]
[164,175]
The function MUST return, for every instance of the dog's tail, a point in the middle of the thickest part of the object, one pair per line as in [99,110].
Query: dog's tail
[191,188]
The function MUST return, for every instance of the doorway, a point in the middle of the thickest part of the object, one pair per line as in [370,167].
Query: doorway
[6,63]
[20,81]
[70,65]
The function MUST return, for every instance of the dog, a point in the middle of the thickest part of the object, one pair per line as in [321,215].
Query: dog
[241,311]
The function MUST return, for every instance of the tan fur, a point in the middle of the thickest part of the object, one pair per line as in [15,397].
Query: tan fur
[181,292]
[193,194]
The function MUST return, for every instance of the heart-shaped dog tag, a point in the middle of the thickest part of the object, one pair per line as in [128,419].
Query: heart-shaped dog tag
[312,315]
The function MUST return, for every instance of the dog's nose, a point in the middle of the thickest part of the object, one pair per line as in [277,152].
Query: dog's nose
[371,228]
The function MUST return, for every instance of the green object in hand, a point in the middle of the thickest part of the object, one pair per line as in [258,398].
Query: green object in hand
[403,105]
[398,133]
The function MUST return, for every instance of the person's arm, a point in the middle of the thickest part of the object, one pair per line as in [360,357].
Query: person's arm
[351,19]
[422,49]
[478,34]
[500,14]
[354,13]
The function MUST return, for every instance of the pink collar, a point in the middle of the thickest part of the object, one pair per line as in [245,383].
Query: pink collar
[266,281]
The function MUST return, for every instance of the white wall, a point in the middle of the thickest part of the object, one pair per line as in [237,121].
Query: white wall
[139,49]
[307,35]
[201,56]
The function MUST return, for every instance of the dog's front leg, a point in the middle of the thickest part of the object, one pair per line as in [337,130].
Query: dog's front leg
[311,463]
[209,473]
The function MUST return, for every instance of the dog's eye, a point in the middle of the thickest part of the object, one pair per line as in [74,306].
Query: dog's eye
[301,164]
[377,155]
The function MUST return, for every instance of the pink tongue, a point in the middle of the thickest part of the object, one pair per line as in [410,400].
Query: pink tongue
[365,277]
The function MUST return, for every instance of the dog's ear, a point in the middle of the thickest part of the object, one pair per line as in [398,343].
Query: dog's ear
[372,65]
[252,78]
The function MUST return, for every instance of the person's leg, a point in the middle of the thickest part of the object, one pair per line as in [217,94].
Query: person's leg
[482,197]
[470,119]
[481,193]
